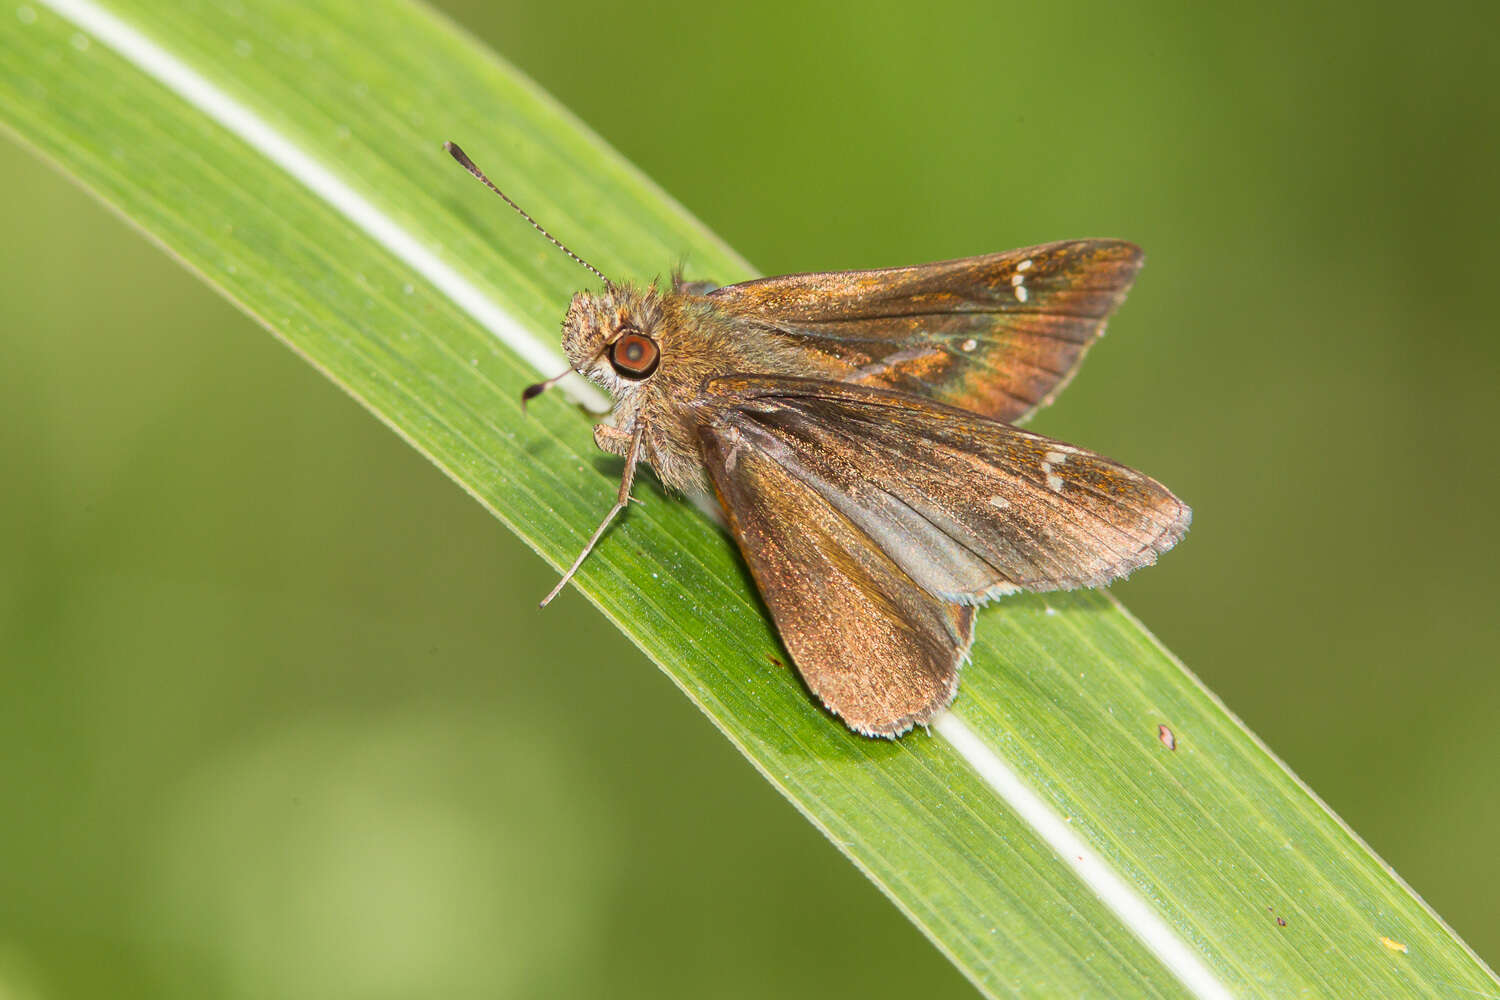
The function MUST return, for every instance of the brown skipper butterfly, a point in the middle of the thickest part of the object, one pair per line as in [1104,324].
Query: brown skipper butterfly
[859,429]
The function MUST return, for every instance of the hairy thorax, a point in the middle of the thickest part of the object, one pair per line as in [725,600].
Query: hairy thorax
[696,341]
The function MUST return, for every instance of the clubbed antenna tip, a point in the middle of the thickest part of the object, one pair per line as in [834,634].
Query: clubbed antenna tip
[455,151]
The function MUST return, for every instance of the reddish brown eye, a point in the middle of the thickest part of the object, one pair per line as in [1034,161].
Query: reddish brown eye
[634,355]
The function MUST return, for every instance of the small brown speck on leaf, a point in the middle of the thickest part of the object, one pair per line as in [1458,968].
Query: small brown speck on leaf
[1281,921]
[1167,737]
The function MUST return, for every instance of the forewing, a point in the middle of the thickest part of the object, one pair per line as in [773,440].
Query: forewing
[999,334]
[878,650]
[968,508]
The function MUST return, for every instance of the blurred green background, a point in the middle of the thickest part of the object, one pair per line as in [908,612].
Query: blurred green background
[264,668]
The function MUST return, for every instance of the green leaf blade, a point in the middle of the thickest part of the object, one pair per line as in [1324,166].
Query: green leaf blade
[1217,836]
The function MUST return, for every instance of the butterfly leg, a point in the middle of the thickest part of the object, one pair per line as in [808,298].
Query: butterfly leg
[612,439]
[632,455]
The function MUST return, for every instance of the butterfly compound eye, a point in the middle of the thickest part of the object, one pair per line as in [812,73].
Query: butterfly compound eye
[634,355]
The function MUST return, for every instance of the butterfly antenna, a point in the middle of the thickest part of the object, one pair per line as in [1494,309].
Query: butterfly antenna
[468,164]
[535,389]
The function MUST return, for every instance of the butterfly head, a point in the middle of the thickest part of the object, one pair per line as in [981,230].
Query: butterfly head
[612,337]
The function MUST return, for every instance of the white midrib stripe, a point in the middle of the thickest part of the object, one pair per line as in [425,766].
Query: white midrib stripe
[1129,905]
[1132,908]
[233,116]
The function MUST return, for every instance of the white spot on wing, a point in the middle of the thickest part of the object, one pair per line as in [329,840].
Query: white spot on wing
[1056,458]
[1025,265]
[999,502]
[732,456]
[1020,293]
[969,344]
[1055,484]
